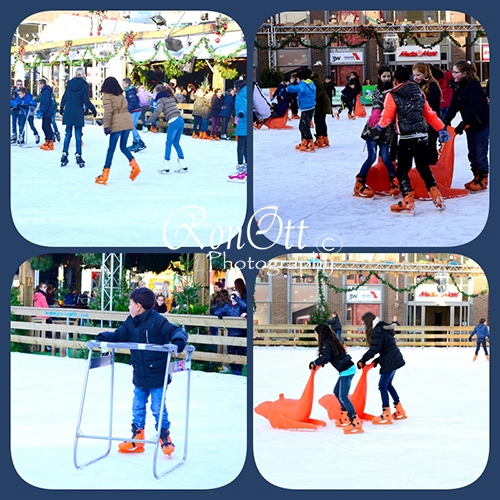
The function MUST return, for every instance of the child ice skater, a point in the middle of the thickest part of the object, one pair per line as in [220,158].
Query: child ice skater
[381,341]
[146,326]
[331,350]
[481,331]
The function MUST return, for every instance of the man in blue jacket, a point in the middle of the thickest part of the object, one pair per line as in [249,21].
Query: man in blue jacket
[146,326]
[75,101]
[481,331]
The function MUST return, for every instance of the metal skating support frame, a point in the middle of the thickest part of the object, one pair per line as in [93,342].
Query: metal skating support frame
[108,360]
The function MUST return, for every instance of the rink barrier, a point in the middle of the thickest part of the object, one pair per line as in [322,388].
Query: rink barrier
[70,324]
[353,335]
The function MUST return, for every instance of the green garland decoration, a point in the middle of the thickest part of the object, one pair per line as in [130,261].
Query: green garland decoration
[88,55]
[322,278]
[365,34]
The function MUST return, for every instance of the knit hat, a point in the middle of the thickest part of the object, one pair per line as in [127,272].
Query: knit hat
[143,296]
[238,84]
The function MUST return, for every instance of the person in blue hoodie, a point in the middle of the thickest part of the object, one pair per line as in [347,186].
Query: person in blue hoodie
[26,105]
[227,110]
[306,97]
[240,111]
[236,308]
[135,109]
[73,104]
[481,331]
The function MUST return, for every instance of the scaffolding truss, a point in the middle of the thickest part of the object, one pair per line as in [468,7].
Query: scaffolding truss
[111,278]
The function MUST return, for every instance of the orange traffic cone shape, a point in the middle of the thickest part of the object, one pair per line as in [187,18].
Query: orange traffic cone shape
[135,169]
[355,426]
[302,144]
[133,446]
[343,419]
[474,358]
[166,442]
[406,206]
[399,414]
[359,109]
[103,178]
[361,189]
[437,198]
[385,418]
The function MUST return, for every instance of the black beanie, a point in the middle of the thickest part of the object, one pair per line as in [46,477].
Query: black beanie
[143,296]
[238,84]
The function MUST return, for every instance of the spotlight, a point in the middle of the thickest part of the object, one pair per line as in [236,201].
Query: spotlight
[159,21]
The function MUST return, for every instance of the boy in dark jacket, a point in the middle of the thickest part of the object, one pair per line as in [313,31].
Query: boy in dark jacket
[46,112]
[381,341]
[481,331]
[146,326]
[135,109]
[226,111]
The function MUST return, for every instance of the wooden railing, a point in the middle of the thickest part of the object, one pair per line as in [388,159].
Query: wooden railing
[408,336]
[70,324]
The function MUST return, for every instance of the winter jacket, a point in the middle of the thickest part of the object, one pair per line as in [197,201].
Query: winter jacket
[240,111]
[25,106]
[40,300]
[116,115]
[233,311]
[133,102]
[330,90]
[46,109]
[348,95]
[384,344]
[261,106]
[198,101]
[433,96]
[306,94]
[323,102]
[207,106]
[144,96]
[385,136]
[167,105]
[407,104]
[446,89]
[148,328]
[216,106]
[334,323]
[227,109]
[469,98]
[481,331]
[340,362]
[282,100]
[74,101]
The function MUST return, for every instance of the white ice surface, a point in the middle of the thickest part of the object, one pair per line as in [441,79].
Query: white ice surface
[317,188]
[443,444]
[57,206]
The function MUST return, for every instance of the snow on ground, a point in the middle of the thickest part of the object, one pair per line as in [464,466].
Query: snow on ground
[443,444]
[45,400]
[57,206]
[317,188]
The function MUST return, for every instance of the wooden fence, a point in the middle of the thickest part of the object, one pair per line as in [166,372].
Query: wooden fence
[70,324]
[408,336]
[186,113]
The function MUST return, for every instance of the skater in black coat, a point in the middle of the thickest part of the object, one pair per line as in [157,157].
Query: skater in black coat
[146,326]
[380,339]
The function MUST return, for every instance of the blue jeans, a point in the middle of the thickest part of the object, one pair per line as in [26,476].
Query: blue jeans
[236,369]
[341,391]
[174,134]
[371,146]
[15,119]
[385,387]
[113,140]
[339,335]
[54,124]
[78,138]
[241,149]
[141,397]
[135,119]
[477,144]
[204,125]
[22,123]
[479,344]
[197,123]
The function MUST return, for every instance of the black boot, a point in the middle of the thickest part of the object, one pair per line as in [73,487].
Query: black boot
[64,159]
[79,160]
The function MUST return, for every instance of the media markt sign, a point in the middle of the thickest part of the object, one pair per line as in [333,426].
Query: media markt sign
[429,293]
[344,56]
[410,54]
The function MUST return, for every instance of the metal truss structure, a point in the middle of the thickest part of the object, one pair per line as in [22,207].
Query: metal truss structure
[111,277]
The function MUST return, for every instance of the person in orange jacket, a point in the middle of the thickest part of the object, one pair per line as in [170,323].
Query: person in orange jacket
[407,106]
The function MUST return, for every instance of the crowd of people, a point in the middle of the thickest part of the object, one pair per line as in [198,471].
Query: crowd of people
[124,105]
[411,114]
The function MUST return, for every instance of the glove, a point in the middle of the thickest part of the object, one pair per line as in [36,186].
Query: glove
[107,131]
[241,114]
[361,364]
[179,343]
[376,361]
[444,136]
[99,122]
[470,338]
[374,117]
[459,129]
[312,365]
[100,337]
[220,316]
[95,115]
